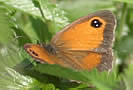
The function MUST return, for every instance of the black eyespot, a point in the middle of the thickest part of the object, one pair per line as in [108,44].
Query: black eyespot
[96,23]
[34,53]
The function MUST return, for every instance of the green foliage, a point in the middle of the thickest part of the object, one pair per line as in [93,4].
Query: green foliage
[128,77]
[5,25]
[106,81]
[29,21]
[126,1]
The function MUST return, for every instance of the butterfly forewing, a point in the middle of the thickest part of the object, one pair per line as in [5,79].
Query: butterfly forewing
[83,40]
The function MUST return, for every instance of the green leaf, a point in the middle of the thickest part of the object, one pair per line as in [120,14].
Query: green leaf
[26,6]
[128,77]
[103,80]
[41,29]
[21,36]
[5,25]
[13,80]
[53,15]
[8,56]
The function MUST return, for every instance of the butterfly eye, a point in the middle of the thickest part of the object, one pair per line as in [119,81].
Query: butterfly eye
[96,23]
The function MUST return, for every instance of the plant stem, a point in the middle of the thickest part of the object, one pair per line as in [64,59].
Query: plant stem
[41,11]
[122,21]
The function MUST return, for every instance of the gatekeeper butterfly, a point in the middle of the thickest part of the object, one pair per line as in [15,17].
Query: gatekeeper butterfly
[84,44]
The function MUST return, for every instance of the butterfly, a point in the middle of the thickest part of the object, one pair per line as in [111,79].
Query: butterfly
[82,45]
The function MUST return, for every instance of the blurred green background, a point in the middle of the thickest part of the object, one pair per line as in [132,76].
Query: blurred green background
[29,21]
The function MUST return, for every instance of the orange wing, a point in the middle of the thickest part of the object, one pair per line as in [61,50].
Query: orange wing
[87,42]
[42,54]
[84,44]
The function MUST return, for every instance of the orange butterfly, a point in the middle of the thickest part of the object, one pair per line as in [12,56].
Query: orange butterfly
[84,44]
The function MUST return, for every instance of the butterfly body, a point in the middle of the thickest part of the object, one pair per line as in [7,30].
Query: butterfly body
[84,44]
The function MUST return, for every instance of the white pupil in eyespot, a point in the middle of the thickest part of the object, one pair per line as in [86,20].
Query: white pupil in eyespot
[97,25]
[95,21]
